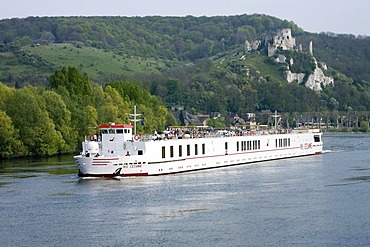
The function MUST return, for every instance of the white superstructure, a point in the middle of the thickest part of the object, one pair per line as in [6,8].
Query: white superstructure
[116,151]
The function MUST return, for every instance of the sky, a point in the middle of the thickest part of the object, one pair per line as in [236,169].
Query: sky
[337,16]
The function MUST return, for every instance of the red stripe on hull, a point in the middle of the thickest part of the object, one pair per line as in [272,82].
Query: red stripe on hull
[105,159]
[112,176]
[146,174]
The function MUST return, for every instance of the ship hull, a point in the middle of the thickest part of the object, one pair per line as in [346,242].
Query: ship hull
[186,155]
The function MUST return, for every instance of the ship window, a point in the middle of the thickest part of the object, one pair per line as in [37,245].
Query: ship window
[237,146]
[125,131]
[120,131]
[180,151]
[112,131]
[140,152]
[196,149]
[203,148]
[128,131]
[188,149]
[171,151]
[104,131]
[288,142]
[259,144]
[163,152]
[316,138]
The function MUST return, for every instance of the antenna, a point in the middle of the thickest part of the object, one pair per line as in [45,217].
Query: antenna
[275,116]
[135,119]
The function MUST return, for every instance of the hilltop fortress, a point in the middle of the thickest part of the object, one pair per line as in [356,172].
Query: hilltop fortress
[283,40]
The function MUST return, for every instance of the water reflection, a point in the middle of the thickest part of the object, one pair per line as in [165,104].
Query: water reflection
[33,167]
[360,179]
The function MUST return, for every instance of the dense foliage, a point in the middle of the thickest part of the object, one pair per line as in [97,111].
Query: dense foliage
[182,38]
[40,121]
[343,52]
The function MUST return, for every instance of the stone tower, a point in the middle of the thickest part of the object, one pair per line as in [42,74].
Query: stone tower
[282,40]
[310,48]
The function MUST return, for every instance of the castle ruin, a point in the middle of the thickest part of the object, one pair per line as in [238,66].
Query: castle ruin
[283,40]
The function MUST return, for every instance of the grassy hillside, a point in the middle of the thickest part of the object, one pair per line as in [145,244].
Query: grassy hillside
[252,67]
[95,62]
[265,67]
[34,64]
[9,65]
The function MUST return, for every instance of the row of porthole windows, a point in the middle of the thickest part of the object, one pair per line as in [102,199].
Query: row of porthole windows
[181,167]
[135,163]
[188,150]
[248,145]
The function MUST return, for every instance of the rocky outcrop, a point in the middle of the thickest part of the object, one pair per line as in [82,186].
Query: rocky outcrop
[318,79]
[298,77]
[315,81]
[283,40]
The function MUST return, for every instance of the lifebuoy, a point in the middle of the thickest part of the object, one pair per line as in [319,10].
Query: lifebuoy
[136,137]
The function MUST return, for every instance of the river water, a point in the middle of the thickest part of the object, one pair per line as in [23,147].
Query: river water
[321,200]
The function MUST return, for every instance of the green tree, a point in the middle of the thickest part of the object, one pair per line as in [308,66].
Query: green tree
[364,126]
[6,93]
[36,130]
[216,123]
[173,91]
[61,118]
[90,120]
[9,143]
[77,84]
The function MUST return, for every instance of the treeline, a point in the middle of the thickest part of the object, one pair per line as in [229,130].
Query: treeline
[238,86]
[343,52]
[183,38]
[49,121]
[180,38]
